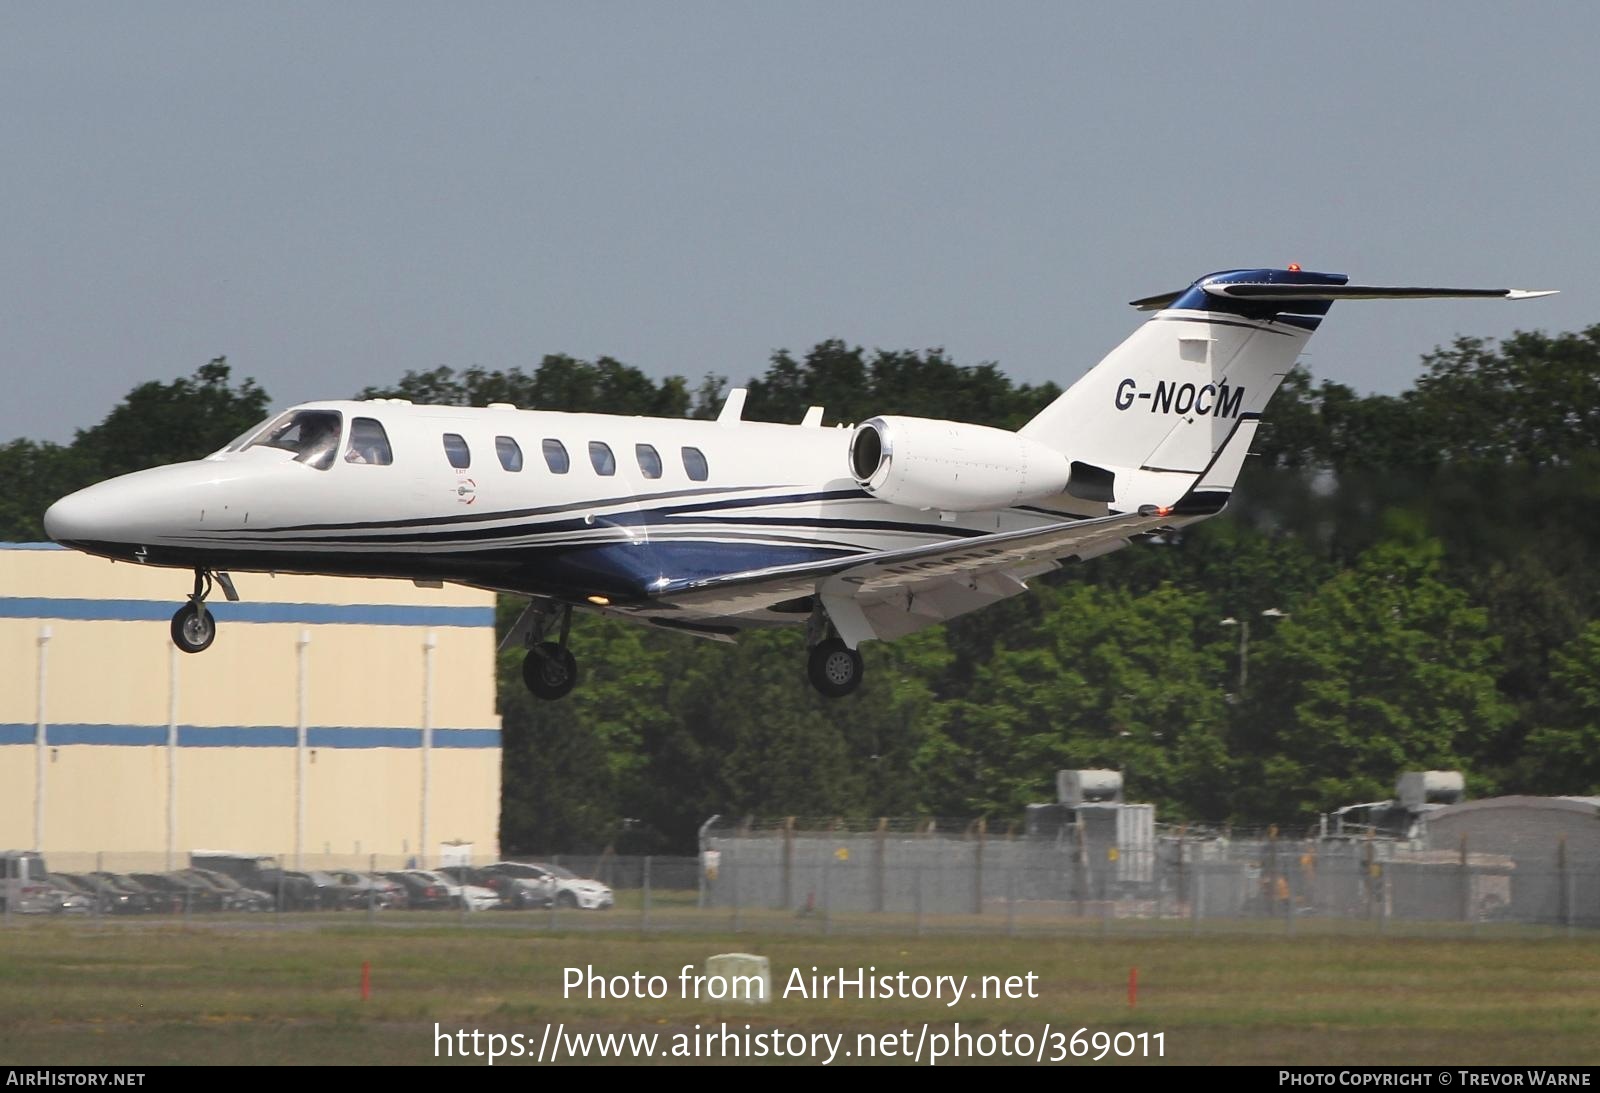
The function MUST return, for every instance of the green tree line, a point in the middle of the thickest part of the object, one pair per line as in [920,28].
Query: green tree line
[1417,573]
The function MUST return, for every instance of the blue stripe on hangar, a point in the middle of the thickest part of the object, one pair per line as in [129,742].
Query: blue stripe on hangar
[374,614]
[248,736]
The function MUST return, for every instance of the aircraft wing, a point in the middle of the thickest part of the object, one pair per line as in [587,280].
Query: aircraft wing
[948,578]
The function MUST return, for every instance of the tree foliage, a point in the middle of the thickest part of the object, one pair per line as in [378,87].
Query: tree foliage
[1385,668]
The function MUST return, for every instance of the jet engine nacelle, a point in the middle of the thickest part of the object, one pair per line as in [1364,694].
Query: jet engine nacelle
[924,463]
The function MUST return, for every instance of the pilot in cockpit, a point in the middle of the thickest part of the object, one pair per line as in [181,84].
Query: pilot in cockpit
[319,437]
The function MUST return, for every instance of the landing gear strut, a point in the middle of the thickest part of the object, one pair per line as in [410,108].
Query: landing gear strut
[193,627]
[549,669]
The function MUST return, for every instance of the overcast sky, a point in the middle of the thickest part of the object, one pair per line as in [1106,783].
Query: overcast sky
[331,194]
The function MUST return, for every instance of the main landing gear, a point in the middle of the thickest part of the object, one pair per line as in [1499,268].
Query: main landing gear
[193,627]
[833,667]
[549,670]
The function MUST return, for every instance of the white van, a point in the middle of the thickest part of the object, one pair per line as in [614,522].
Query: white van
[24,887]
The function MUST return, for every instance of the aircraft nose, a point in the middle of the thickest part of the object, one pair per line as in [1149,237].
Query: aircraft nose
[72,519]
[119,510]
[134,511]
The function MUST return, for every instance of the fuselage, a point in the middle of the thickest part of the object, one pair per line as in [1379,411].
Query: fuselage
[713,526]
[585,508]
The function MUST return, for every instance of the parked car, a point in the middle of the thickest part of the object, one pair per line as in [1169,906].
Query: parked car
[119,895]
[564,888]
[505,888]
[71,902]
[262,873]
[422,893]
[362,890]
[520,886]
[474,897]
[102,898]
[258,871]
[189,893]
[236,897]
[314,890]
[157,900]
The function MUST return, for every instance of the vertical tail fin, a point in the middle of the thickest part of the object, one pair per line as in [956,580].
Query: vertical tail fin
[1175,405]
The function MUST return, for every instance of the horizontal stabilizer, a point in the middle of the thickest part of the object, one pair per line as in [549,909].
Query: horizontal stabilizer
[1268,293]
[1156,303]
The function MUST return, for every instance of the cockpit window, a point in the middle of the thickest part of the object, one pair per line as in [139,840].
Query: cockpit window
[312,435]
[242,441]
[368,443]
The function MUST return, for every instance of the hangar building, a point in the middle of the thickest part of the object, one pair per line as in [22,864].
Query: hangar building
[332,720]
[1551,846]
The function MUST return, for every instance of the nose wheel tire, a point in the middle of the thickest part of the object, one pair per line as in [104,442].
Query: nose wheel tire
[549,670]
[193,628]
[835,669]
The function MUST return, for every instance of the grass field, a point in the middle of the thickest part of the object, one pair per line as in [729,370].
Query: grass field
[91,993]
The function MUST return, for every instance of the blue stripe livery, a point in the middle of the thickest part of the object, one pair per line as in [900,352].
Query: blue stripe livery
[23,607]
[248,736]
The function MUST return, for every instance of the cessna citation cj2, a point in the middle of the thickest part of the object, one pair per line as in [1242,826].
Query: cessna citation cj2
[711,527]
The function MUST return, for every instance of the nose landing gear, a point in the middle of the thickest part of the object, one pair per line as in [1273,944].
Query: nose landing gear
[193,627]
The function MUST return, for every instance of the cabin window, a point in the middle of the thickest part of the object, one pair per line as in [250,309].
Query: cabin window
[509,451]
[455,448]
[368,443]
[649,460]
[312,435]
[694,464]
[555,456]
[600,455]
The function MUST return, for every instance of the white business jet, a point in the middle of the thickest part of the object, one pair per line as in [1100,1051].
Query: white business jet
[712,527]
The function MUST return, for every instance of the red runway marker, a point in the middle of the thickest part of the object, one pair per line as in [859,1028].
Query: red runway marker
[366,980]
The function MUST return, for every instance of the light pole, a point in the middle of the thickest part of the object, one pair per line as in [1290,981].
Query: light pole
[1244,644]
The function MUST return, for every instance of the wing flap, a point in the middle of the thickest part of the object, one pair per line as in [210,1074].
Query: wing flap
[874,575]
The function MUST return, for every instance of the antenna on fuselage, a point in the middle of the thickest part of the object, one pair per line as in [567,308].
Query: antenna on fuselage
[733,408]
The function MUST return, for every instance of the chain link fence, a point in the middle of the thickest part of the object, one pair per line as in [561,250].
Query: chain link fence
[899,876]
[1098,870]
